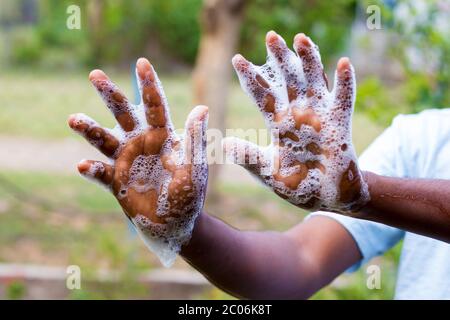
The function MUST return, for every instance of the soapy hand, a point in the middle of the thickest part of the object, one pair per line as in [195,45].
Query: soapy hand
[158,177]
[311,161]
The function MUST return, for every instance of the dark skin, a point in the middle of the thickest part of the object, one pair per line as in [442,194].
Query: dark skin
[292,264]
[297,263]
[418,205]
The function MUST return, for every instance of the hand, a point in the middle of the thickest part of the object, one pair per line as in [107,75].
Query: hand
[158,177]
[311,161]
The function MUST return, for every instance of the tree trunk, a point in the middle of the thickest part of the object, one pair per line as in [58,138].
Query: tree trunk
[95,19]
[220,25]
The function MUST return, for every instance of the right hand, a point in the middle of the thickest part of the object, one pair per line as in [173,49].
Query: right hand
[158,177]
[311,161]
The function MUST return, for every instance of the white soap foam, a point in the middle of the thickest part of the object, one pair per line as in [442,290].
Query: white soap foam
[335,133]
[147,172]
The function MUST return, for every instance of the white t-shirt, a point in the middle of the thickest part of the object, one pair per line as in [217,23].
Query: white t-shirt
[414,146]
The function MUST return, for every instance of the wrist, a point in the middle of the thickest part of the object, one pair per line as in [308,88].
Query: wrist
[362,208]
[188,248]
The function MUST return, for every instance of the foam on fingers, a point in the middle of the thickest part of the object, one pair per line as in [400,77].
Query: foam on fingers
[288,63]
[247,154]
[96,171]
[313,162]
[264,84]
[344,87]
[154,102]
[311,62]
[114,99]
[195,135]
[159,190]
[101,138]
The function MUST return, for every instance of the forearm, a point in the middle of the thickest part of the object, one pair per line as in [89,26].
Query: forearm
[249,264]
[417,205]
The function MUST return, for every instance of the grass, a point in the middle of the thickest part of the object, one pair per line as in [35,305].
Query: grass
[61,219]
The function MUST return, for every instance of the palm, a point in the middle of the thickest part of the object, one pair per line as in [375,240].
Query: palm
[158,177]
[311,161]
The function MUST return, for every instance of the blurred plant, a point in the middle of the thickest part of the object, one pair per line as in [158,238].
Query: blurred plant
[378,101]
[128,28]
[327,23]
[111,31]
[176,26]
[15,290]
[118,31]
[43,40]
[424,50]
[420,42]
[26,45]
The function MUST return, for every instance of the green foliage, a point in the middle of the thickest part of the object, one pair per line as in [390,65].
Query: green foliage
[48,43]
[129,28]
[377,101]
[422,48]
[328,24]
[423,27]
[27,46]
[126,29]
[176,26]
[15,290]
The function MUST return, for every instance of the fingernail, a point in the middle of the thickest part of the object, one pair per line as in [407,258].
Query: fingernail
[97,74]
[302,39]
[271,37]
[343,64]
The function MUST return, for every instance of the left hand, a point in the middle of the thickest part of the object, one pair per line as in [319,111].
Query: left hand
[311,161]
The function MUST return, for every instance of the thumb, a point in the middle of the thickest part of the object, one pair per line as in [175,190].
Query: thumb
[246,154]
[195,135]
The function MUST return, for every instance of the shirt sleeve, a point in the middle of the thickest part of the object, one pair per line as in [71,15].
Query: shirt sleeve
[382,157]
[373,239]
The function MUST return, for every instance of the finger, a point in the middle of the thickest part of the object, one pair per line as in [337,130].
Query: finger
[123,164]
[195,135]
[289,64]
[344,90]
[312,65]
[96,171]
[156,109]
[115,100]
[255,85]
[246,154]
[94,134]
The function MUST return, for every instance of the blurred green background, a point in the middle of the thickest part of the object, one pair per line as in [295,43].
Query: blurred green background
[49,216]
